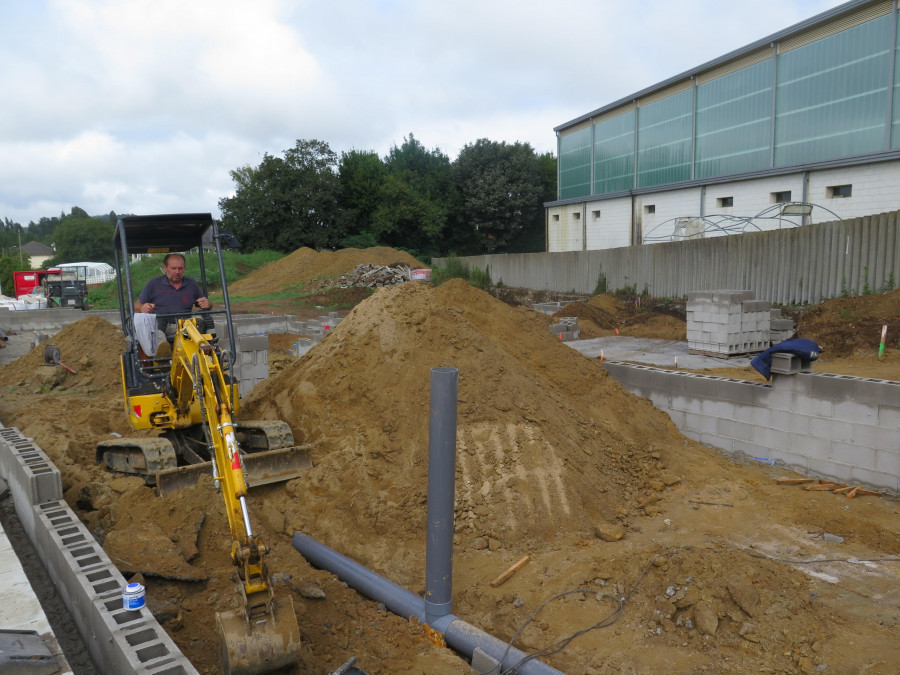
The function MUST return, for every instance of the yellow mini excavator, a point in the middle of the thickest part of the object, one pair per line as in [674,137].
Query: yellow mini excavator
[192,399]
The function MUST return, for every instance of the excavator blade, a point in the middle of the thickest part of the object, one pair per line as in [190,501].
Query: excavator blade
[261,646]
[263,468]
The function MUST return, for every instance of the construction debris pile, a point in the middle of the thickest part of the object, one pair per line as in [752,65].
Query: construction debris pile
[368,275]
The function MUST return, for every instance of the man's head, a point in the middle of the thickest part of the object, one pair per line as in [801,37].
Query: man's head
[173,267]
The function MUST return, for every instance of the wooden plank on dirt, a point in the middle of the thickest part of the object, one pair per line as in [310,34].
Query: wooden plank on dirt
[508,573]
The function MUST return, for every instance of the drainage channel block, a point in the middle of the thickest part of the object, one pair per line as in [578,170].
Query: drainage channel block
[28,466]
[120,640]
[23,652]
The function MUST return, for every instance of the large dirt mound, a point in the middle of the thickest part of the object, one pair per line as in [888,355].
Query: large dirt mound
[852,326]
[548,443]
[305,264]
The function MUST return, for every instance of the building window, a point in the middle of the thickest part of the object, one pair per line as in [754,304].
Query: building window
[725,202]
[596,214]
[576,216]
[781,197]
[555,217]
[650,208]
[839,191]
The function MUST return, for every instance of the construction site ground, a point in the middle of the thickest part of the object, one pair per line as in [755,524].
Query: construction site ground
[690,561]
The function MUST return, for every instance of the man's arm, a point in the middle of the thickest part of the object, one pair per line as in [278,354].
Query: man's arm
[144,307]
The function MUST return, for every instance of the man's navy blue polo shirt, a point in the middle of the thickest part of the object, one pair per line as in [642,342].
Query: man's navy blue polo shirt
[168,299]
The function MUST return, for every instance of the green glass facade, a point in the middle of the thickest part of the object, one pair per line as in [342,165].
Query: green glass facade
[575,164]
[733,124]
[829,99]
[832,95]
[614,154]
[664,140]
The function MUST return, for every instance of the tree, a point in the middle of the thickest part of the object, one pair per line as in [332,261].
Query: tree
[415,199]
[501,191]
[83,239]
[362,175]
[286,203]
[408,219]
[8,265]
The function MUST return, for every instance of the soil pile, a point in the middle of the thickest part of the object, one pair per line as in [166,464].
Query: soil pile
[548,443]
[605,314]
[305,264]
[852,326]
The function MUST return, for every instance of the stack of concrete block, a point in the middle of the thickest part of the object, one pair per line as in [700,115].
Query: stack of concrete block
[727,322]
[780,329]
[567,329]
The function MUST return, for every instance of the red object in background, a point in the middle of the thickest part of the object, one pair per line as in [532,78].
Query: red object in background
[24,282]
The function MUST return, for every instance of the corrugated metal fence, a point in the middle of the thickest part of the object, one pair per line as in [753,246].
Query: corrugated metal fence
[797,265]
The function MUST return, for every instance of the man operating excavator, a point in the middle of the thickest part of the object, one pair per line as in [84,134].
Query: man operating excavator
[171,294]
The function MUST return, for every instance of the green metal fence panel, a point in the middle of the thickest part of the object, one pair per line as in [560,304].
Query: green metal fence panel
[734,122]
[664,140]
[832,95]
[614,154]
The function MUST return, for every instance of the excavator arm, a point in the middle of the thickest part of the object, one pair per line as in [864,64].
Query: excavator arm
[263,634]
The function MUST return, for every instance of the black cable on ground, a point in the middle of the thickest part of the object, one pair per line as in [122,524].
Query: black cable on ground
[561,644]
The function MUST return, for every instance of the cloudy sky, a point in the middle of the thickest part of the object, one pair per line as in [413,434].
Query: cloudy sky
[142,106]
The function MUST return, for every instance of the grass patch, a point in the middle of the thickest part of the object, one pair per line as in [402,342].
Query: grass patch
[457,269]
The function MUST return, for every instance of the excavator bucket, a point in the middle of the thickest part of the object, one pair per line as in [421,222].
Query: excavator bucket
[263,468]
[262,646]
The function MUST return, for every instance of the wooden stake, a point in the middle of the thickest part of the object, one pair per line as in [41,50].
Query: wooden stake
[794,481]
[508,573]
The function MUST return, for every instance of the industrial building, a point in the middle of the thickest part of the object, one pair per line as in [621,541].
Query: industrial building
[797,128]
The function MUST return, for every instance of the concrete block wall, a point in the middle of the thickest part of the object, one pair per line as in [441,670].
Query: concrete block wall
[51,319]
[834,426]
[727,322]
[90,586]
[252,364]
[27,468]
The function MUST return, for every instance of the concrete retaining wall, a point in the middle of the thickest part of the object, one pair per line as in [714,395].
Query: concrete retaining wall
[803,264]
[119,640]
[834,426]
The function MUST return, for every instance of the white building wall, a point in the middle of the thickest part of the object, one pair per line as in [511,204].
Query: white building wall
[751,197]
[608,223]
[655,210]
[874,190]
[565,228]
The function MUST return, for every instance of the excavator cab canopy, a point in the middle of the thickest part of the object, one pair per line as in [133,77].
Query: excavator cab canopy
[169,233]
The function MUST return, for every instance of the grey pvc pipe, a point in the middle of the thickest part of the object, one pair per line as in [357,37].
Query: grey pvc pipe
[441,488]
[461,636]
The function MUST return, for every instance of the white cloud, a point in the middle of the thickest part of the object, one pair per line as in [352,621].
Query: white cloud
[139,106]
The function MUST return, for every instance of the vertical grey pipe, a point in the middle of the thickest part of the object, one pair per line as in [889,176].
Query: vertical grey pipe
[441,489]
